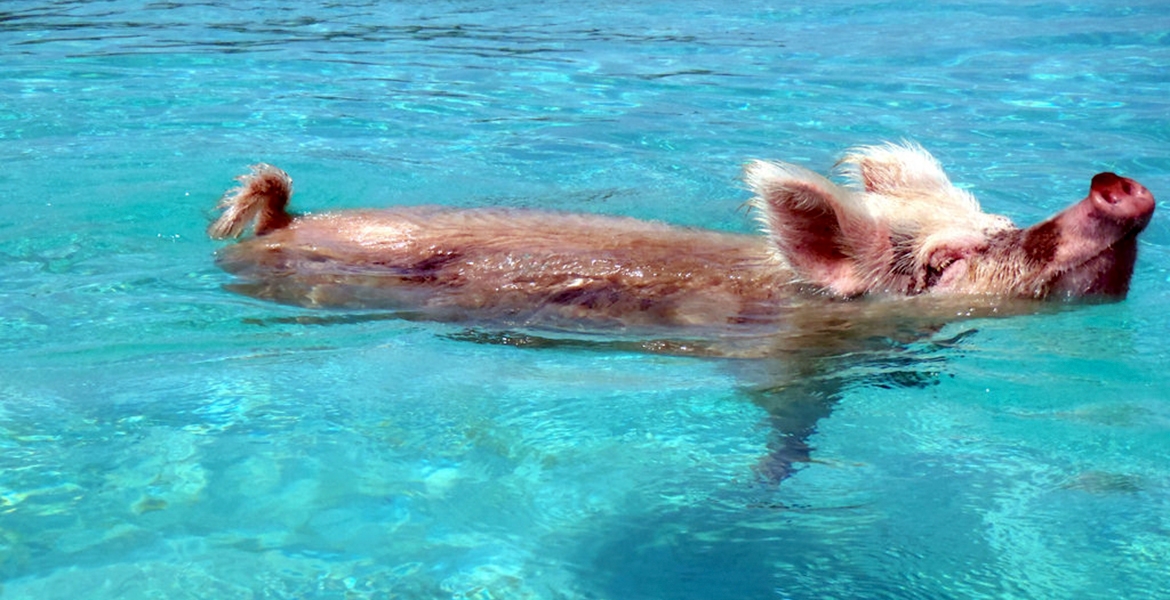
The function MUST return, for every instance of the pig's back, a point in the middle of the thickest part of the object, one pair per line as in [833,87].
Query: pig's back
[511,264]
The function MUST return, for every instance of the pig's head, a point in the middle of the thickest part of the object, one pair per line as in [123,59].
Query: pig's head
[902,228]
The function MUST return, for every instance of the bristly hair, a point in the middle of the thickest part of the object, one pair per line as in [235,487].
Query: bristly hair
[907,186]
[897,206]
[911,180]
[261,199]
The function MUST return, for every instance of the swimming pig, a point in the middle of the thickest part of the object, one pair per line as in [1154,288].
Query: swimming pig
[899,227]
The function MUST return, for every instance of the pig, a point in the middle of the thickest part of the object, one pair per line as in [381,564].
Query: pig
[896,227]
[838,287]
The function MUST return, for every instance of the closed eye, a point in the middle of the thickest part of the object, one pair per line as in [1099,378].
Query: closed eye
[935,271]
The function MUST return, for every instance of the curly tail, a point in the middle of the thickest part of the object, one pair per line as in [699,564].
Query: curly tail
[261,199]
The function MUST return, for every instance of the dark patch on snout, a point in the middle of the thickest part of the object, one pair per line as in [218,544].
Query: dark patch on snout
[1040,243]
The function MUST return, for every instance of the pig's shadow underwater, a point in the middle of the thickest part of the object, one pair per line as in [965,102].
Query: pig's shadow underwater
[797,379]
[797,369]
[796,389]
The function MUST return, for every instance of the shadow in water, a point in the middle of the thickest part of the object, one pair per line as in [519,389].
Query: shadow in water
[804,389]
[796,369]
[797,386]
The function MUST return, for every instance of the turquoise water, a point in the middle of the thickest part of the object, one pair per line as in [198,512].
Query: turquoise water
[162,437]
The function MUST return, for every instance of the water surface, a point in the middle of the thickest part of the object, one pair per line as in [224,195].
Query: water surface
[163,437]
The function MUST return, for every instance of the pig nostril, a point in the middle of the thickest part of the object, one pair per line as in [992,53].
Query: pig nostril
[1108,195]
[1111,188]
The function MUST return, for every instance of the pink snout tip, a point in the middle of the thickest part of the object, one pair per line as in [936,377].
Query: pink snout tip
[1121,198]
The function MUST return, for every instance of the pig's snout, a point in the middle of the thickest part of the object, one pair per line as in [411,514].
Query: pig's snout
[1121,199]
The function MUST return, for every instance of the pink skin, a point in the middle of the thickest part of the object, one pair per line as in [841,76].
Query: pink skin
[1116,208]
[1088,249]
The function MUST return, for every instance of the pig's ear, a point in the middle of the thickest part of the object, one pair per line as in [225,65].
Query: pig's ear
[903,170]
[821,231]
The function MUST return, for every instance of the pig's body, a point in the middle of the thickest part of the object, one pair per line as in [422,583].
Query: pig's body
[901,229]
[516,266]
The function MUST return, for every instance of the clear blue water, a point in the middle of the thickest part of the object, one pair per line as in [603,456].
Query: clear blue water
[161,437]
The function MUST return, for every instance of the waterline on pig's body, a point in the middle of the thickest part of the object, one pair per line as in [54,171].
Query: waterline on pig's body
[806,323]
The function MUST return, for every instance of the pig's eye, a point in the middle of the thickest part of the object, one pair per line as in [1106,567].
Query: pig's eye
[947,262]
[935,268]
